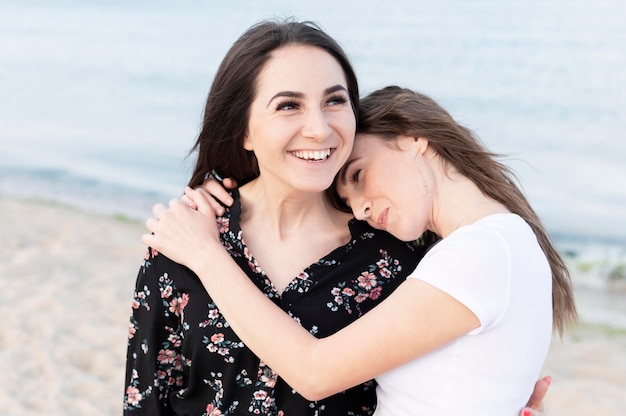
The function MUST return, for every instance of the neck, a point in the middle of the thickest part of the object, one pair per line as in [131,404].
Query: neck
[461,203]
[287,213]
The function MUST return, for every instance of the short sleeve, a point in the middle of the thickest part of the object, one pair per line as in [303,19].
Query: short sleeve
[473,266]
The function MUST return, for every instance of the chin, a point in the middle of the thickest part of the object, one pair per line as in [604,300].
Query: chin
[314,185]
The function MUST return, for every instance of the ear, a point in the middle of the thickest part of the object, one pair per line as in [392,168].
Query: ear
[421,144]
[418,144]
[247,143]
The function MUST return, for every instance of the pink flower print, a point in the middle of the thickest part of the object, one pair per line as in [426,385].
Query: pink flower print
[375,293]
[223,224]
[166,356]
[177,305]
[217,338]
[133,396]
[211,410]
[132,329]
[347,291]
[260,395]
[361,297]
[382,263]
[166,292]
[367,280]
[268,381]
[174,339]
[385,272]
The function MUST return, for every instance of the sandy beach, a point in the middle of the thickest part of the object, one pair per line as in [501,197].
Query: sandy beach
[67,280]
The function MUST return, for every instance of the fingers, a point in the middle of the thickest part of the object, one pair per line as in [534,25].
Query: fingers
[534,407]
[215,189]
[205,203]
[229,183]
[539,393]
[191,204]
[530,412]
[149,239]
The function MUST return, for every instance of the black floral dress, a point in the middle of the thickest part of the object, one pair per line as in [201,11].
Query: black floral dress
[184,359]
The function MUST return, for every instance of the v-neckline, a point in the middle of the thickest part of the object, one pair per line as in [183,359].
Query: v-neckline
[235,212]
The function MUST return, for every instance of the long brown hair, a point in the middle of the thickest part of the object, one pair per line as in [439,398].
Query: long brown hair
[393,111]
[220,142]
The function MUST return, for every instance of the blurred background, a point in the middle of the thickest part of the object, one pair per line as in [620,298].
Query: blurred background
[100,102]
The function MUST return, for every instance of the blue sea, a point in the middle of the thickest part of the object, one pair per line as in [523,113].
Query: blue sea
[100,102]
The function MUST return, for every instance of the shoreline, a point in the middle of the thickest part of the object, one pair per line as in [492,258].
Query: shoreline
[69,277]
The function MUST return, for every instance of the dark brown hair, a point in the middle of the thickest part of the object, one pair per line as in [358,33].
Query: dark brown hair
[393,111]
[219,145]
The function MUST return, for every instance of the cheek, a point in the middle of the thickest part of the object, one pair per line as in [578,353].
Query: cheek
[345,124]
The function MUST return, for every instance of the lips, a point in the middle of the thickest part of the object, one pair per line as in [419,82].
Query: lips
[381,221]
[312,155]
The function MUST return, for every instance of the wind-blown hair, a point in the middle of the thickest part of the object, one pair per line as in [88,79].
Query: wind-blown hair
[393,111]
[220,142]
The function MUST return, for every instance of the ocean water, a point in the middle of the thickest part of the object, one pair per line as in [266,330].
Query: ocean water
[101,101]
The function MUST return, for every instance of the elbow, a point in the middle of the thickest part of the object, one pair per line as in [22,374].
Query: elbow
[313,374]
[314,390]
[313,382]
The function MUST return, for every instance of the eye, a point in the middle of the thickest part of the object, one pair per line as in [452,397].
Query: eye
[287,105]
[338,99]
[354,178]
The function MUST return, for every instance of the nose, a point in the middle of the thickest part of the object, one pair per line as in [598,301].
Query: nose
[362,210]
[316,125]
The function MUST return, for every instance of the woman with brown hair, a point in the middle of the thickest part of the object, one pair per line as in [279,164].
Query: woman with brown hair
[280,118]
[468,331]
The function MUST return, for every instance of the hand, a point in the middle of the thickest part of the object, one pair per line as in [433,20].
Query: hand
[534,407]
[182,233]
[214,190]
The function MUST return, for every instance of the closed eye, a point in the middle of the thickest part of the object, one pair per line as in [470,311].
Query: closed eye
[354,178]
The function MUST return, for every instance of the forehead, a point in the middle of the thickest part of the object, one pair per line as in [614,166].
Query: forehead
[294,67]
[365,149]
[364,144]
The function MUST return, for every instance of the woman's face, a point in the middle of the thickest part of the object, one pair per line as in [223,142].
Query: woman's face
[301,126]
[389,185]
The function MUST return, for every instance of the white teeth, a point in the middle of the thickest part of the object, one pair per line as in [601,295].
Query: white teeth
[312,154]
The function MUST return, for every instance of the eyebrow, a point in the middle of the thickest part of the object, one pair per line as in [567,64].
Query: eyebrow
[299,95]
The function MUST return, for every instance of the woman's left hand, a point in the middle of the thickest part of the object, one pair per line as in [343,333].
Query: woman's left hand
[181,232]
[534,407]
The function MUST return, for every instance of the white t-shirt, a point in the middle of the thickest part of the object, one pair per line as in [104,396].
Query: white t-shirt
[497,269]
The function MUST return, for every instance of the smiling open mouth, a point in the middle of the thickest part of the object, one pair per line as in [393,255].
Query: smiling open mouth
[312,154]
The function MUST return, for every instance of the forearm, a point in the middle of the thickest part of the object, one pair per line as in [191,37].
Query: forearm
[248,311]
